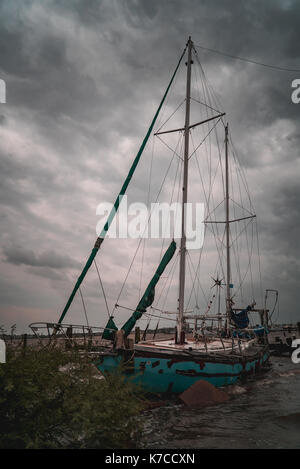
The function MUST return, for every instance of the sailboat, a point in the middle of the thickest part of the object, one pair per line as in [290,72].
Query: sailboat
[225,352]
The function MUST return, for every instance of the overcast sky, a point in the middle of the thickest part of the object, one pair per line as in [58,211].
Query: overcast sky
[84,79]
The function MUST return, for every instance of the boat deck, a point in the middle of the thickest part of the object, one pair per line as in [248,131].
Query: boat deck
[211,345]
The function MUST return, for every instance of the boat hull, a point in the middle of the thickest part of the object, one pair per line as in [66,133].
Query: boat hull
[159,372]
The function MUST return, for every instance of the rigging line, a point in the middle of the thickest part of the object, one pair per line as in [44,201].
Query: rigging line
[250,251]
[199,170]
[167,318]
[216,123]
[235,224]
[206,105]
[262,64]
[171,276]
[207,203]
[197,276]
[205,111]
[212,211]
[160,117]
[169,279]
[102,288]
[174,112]
[198,80]
[86,318]
[210,193]
[217,235]
[222,245]
[243,279]
[277,314]
[239,287]
[180,178]
[248,265]
[148,201]
[215,98]
[168,146]
[212,228]
[210,87]
[168,220]
[159,192]
[213,182]
[158,309]
[172,270]
[220,148]
[259,266]
[250,257]
[180,164]
[217,167]
[220,161]
[223,184]
[124,307]
[239,180]
[199,281]
[241,206]
[242,178]
[241,170]
[193,284]
[236,254]
[221,248]
[206,96]
[242,230]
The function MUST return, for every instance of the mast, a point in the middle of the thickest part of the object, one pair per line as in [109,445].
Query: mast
[180,319]
[227,229]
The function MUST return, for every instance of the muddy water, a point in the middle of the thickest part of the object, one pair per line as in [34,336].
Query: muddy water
[261,414]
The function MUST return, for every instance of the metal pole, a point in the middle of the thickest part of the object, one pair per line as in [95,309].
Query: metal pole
[228,273]
[180,331]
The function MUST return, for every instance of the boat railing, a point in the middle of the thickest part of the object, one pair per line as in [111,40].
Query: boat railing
[70,335]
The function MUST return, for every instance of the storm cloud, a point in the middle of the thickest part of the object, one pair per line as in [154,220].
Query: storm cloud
[84,79]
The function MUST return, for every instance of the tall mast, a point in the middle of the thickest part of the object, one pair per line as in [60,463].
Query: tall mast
[228,273]
[180,320]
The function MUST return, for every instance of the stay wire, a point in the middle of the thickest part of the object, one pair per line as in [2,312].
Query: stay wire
[262,64]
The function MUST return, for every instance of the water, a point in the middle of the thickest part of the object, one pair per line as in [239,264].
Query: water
[262,414]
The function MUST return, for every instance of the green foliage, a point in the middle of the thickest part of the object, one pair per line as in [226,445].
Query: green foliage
[53,399]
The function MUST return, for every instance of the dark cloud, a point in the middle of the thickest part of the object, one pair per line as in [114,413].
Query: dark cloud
[83,82]
[17,255]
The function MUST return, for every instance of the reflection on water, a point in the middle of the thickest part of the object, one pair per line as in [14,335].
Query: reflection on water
[262,414]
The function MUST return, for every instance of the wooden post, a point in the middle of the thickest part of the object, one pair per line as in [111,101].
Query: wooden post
[90,340]
[24,341]
[137,335]
[69,334]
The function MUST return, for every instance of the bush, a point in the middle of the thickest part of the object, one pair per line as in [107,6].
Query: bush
[53,399]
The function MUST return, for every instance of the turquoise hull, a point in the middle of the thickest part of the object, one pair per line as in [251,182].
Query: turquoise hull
[159,374]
